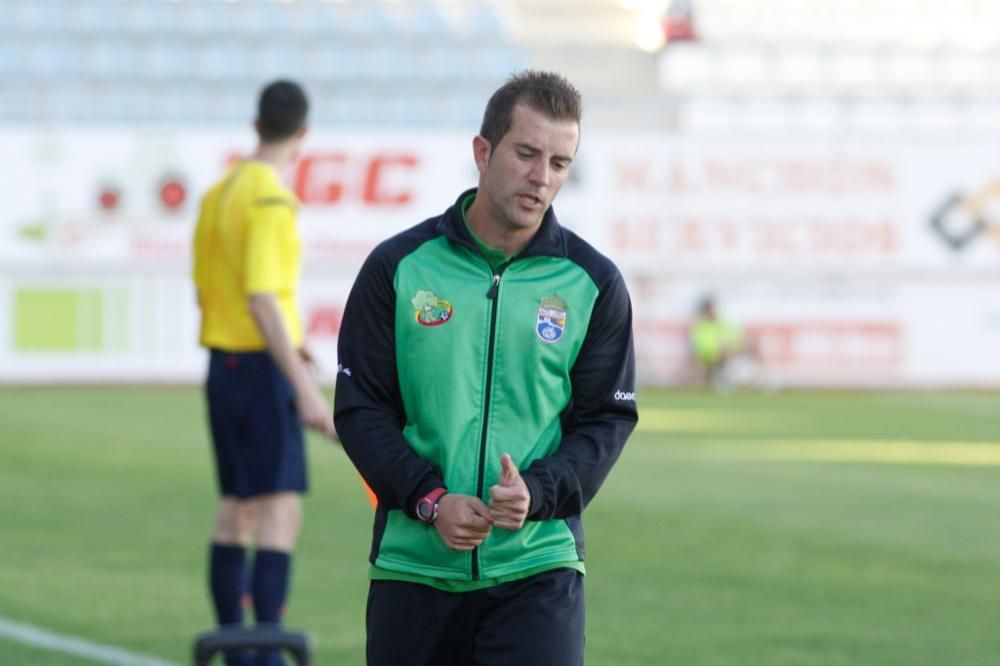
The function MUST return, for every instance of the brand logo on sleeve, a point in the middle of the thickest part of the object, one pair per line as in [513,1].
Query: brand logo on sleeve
[429,310]
[551,321]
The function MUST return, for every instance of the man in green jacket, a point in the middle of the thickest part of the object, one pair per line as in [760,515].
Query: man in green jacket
[486,388]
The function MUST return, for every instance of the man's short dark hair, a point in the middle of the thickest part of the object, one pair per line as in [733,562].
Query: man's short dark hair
[281,111]
[546,92]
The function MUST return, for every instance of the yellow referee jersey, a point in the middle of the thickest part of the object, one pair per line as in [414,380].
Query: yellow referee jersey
[246,242]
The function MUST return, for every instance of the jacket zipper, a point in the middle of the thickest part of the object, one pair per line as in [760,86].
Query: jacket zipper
[480,479]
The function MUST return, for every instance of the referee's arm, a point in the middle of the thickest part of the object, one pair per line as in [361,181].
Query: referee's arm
[309,401]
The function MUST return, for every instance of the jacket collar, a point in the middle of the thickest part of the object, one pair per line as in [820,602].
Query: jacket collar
[548,241]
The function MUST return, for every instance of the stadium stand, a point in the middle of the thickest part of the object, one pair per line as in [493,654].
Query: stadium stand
[748,66]
[837,67]
[148,61]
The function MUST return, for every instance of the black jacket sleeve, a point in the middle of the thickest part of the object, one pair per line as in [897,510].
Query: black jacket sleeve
[600,416]
[368,407]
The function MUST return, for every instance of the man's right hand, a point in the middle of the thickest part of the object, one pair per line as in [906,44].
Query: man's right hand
[463,522]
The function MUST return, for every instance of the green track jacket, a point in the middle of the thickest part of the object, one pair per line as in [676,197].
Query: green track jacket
[446,364]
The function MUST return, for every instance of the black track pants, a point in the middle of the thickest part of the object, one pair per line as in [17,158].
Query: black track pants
[536,621]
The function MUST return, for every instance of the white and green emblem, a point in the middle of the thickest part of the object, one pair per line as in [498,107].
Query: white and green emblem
[551,321]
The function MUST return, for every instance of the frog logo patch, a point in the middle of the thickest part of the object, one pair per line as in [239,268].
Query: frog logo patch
[429,310]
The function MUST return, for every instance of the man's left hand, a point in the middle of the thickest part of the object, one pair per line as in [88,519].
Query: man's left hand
[509,499]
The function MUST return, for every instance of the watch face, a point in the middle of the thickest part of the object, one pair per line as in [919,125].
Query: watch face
[424,509]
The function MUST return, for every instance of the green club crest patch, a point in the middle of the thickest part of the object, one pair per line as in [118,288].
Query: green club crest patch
[429,310]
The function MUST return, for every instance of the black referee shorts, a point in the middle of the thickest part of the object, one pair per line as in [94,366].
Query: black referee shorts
[256,435]
[536,621]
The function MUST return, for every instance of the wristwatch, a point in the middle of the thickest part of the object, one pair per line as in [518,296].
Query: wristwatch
[427,506]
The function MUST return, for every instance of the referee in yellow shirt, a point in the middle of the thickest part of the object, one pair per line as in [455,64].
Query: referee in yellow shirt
[260,388]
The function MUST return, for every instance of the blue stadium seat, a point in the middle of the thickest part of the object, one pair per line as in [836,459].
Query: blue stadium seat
[32,18]
[52,59]
[220,61]
[151,18]
[318,20]
[268,61]
[419,107]
[70,102]
[167,60]
[494,64]
[11,56]
[93,19]
[444,63]
[280,59]
[206,58]
[119,104]
[461,110]
[352,108]
[387,63]
[427,22]
[234,105]
[18,103]
[371,21]
[262,19]
[336,64]
[206,20]
[109,60]
[179,105]
[484,22]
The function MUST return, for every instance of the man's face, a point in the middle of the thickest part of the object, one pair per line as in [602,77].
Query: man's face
[522,174]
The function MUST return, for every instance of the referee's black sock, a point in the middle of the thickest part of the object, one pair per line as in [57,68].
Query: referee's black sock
[271,570]
[226,578]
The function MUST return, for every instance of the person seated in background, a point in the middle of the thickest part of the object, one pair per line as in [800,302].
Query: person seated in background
[724,355]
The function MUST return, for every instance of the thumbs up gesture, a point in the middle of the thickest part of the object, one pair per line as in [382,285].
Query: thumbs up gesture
[509,499]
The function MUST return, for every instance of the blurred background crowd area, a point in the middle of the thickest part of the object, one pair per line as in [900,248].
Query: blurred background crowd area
[821,66]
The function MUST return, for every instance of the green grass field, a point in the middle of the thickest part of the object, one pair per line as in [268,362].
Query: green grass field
[793,529]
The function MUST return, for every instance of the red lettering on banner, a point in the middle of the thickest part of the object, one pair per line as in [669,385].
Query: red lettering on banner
[633,176]
[324,322]
[835,175]
[374,193]
[679,183]
[320,179]
[848,345]
[812,350]
[637,233]
[729,234]
[640,176]
[752,175]
[159,248]
[735,176]
[775,238]
[328,179]
[805,237]
[818,238]
[690,237]
[853,237]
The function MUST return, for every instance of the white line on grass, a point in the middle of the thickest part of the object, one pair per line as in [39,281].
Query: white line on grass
[105,654]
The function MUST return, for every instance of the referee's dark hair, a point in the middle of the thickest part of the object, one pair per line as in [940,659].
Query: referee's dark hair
[281,111]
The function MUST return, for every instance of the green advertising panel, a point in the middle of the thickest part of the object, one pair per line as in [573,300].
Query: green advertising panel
[49,319]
